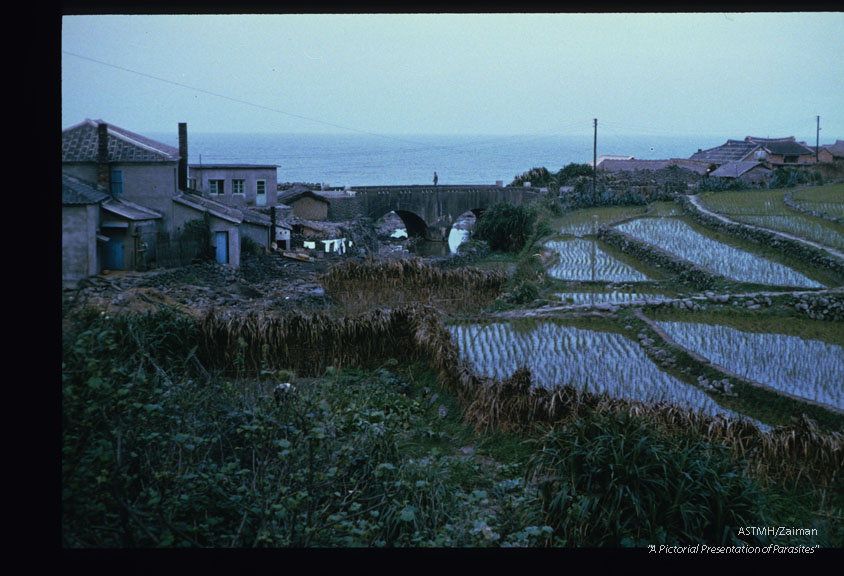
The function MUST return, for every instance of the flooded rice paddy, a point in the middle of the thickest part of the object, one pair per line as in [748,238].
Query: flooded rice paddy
[582,259]
[810,369]
[678,237]
[612,297]
[599,362]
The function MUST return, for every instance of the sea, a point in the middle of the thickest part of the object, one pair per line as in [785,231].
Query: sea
[339,160]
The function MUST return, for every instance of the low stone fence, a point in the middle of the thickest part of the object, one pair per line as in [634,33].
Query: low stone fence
[686,272]
[788,199]
[805,252]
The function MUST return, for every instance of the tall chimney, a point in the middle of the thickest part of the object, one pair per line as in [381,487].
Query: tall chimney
[183,156]
[103,175]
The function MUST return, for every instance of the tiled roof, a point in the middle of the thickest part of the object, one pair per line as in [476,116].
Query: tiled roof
[78,193]
[736,169]
[80,144]
[732,151]
[836,149]
[782,146]
[214,208]
[290,198]
[230,166]
[129,210]
[257,218]
[612,165]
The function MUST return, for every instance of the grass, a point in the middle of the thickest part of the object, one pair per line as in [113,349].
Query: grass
[159,452]
[766,208]
[581,222]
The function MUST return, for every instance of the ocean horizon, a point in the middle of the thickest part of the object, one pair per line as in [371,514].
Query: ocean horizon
[372,160]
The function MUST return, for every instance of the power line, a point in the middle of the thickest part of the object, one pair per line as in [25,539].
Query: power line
[237,100]
[422,145]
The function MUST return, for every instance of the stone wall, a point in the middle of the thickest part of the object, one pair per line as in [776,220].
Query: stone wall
[805,252]
[686,272]
[788,200]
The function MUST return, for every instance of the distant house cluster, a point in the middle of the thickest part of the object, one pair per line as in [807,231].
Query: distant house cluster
[751,160]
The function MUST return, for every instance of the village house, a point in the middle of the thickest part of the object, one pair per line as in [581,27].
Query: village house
[749,172]
[126,203]
[773,151]
[306,204]
[238,185]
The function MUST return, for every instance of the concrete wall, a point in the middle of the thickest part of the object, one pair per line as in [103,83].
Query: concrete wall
[80,255]
[183,214]
[260,234]
[151,185]
[250,176]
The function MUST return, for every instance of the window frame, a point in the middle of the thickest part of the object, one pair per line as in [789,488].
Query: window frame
[116,181]
[216,184]
[242,183]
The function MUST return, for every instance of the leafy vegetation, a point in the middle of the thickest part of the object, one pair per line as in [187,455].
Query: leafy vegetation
[610,480]
[507,228]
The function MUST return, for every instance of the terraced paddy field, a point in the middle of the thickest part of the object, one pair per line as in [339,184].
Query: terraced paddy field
[826,200]
[810,369]
[594,360]
[585,259]
[609,297]
[582,222]
[767,209]
[679,237]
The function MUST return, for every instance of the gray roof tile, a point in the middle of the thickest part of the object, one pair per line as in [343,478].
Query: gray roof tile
[80,144]
[78,193]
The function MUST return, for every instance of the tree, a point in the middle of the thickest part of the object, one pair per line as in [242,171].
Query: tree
[507,228]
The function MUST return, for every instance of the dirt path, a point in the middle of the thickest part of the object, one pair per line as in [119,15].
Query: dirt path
[700,206]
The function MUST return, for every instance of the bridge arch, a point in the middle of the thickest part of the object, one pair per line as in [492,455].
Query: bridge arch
[413,223]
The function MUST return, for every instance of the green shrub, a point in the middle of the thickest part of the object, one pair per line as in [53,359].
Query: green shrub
[507,228]
[249,247]
[609,480]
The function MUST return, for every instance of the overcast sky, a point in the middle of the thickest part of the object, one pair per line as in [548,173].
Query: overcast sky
[731,75]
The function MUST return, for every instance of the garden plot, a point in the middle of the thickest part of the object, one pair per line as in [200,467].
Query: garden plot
[613,297]
[581,259]
[678,237]
[586,359]
[809,369]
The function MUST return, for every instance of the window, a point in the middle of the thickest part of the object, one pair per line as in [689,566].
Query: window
[238,186]
[192,183]
[117,182]
[215,187]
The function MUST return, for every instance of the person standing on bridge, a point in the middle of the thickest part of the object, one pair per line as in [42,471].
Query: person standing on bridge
[435,178]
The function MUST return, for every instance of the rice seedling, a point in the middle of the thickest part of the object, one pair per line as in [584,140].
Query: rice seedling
[581,259]
[827,200]
[805,368]
[591,361]
[767,209]
[582,222]
[676,236]
[612,297]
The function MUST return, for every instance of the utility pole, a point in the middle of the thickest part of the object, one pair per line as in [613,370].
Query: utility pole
[594,155]
[817,139]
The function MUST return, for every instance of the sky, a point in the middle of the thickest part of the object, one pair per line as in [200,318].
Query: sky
[728,74]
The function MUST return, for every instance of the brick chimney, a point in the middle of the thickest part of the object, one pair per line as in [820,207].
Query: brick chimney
[103,174]
[183,156]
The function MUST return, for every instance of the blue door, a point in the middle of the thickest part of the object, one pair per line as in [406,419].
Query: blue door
[221,241]
[113,257]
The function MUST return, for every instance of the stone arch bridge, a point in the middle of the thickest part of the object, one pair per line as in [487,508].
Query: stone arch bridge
[427,211]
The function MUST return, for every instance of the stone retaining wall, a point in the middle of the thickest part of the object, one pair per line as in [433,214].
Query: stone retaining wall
[805,252]
[688,273]
[788,200]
